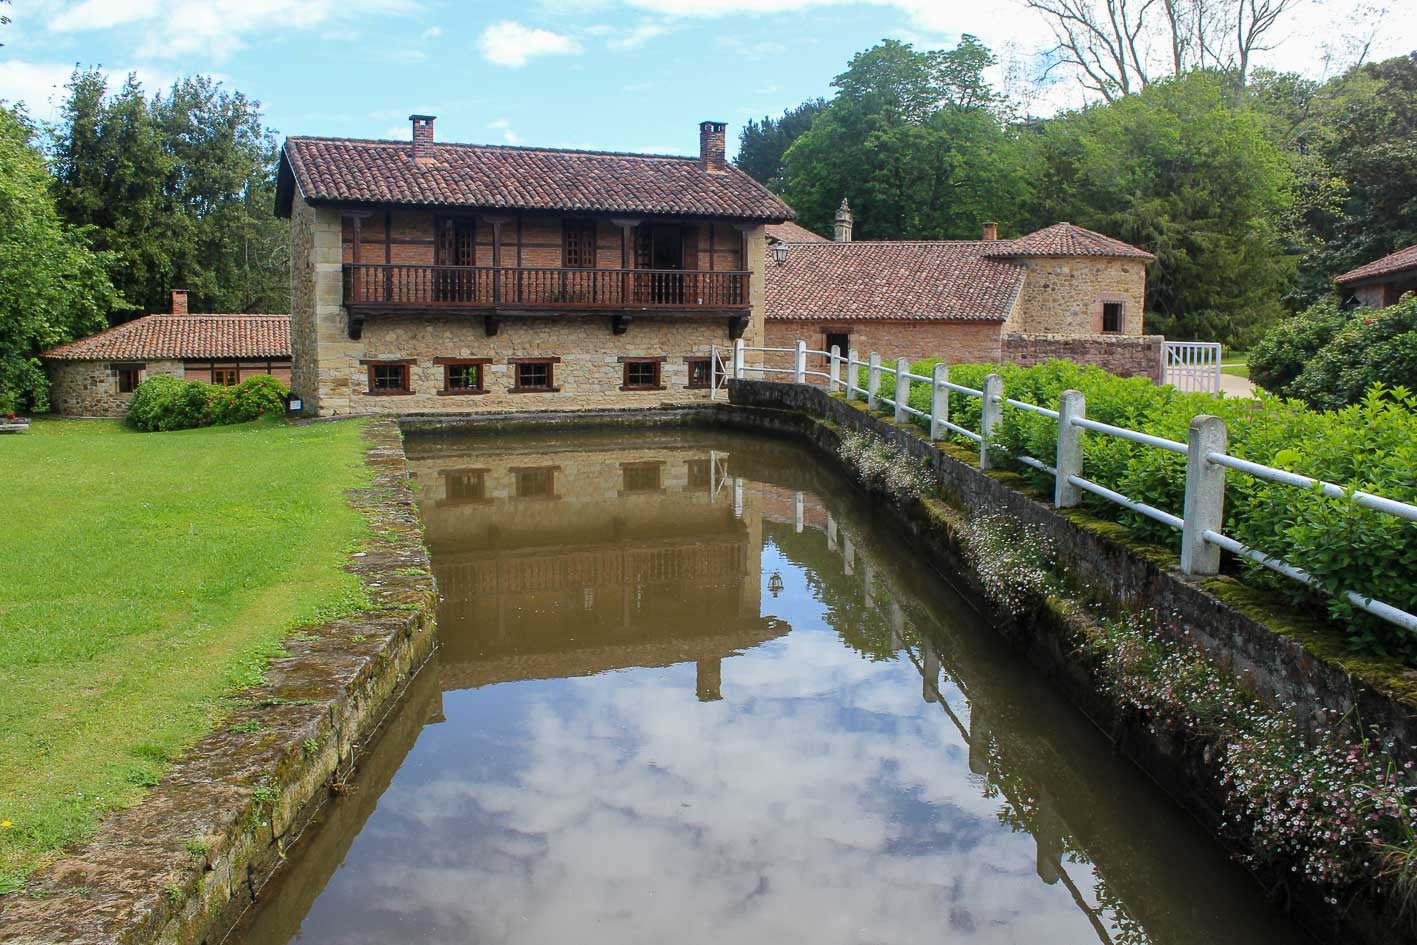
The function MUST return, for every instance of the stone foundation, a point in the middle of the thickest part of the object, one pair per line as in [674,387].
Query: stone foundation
[90,388]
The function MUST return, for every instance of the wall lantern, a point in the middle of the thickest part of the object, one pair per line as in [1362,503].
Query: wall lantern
[779,253]
[775,584]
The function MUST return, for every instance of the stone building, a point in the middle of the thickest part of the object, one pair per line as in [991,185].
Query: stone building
[1061,292]
[428,276]
[96,376]
[1382,282]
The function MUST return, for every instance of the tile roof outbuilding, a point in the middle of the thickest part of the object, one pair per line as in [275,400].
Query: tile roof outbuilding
[498,177]
[790,232]
[183,337]
[1400,261]
[1065,239]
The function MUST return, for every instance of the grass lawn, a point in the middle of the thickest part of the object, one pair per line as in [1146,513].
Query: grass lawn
[1236,363]
[143,578]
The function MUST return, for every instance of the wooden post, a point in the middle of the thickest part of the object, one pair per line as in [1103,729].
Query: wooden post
[834,369]
[939,399]
[902,389]
[799,363]
[873,382]
[990,415]
[1072,405]
[1205,496]
[852,360]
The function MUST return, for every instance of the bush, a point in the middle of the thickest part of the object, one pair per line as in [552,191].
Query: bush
[169,403]
[1371,445]
[1284,351]
[1376,346]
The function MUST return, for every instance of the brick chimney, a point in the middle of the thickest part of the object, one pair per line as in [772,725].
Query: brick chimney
[713,148]
[179,301]
[422,136]
[991,231]
[844,222]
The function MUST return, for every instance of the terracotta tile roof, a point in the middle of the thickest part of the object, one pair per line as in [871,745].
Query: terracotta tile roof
[1400,261]
[1065,239]
[183,337]
[793,233]
[941,281]
[341,170]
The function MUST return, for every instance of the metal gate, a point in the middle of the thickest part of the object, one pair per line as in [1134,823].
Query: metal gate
[1193,365]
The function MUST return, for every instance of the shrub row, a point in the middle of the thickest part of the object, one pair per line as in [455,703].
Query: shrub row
[170,403]
[1329,357]
[1371,445]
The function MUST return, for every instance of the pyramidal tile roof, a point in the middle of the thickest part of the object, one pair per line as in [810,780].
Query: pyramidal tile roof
[1399,261]
[790,232]
[1065,239]
[911,281]
[500,177]
[205,337]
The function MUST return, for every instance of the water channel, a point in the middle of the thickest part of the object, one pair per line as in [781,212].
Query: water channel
[692,689]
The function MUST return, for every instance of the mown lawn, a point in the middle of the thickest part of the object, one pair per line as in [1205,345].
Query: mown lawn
[143,578]
[1236,363]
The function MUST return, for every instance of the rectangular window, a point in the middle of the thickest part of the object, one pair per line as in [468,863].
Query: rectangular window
[1111,316]
[463,375]
[641,477]
[578,244]
[841,341]
[642,373]
[698,373]
[534,482]
[465,485]
[226,377]
[700,473]
[388,377]
[534,374]
[129,377]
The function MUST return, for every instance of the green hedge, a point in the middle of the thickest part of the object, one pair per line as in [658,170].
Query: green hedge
[170,403]
[1371,445]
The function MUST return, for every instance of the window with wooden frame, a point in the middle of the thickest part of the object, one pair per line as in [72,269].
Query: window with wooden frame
[463,375]
[1112,313]
[534,482]
[642,476]
[226,376]
[463,486]
[533,375]
[128,377]
[698,373]
[578,244]
[387,378]
[700,473]
[643,373]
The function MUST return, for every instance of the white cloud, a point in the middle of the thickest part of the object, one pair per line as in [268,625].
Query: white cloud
[40,85]
[215,29]
[432,32]
[509,43]
[637,36]
[505,126]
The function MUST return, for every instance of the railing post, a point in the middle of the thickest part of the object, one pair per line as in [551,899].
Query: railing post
[853,360]
[873,381]
[939,399]
[989,415]
[1069,462]
[902,389]
[713,389]
[738,359]
[799,363]
[1205,496]
[834,369]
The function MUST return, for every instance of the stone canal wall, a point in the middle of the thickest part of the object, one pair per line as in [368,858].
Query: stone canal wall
[182,865]
[1120,577]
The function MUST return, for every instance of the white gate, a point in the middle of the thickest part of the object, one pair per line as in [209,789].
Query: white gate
[1193,365]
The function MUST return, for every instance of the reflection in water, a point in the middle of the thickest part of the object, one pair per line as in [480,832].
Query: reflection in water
[693,693]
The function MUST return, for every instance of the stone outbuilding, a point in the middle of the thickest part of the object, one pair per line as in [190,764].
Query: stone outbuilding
[1382,282]
[96,376]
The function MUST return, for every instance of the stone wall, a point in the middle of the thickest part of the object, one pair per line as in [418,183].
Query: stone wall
[956,342]
[1065,295]
[1123,355]
[90,388]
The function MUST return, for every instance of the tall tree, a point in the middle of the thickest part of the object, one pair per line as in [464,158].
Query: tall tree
[914,141]
[761,144]
[52,287]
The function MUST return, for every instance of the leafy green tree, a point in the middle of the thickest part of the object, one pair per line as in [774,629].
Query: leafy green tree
[1179,170]
[916,142]
[761,144]
[52,287]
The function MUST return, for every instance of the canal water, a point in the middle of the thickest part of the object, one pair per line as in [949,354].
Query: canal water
[692,688]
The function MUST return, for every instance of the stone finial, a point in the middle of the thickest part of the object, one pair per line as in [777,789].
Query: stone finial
[844,222]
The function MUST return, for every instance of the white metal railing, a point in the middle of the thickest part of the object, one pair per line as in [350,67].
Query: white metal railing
[1202,518]
[1193,365]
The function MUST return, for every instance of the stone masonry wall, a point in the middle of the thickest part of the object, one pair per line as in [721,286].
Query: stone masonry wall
[956,342]
[1123,355]
[90,388]
[1065,295]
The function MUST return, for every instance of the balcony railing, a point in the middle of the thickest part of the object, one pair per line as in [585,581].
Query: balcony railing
[508,287]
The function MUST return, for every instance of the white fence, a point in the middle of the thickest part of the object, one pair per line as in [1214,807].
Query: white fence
[1193,365]
[1207,462]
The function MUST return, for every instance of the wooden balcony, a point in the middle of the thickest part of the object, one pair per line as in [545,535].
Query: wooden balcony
[509,290]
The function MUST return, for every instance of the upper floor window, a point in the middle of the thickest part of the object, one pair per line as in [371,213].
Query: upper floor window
[1111,316]
[578,244]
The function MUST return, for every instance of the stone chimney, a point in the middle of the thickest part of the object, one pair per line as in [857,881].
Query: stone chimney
[179,301]
[844,222]
[422,136]
[991,231]
[713,148]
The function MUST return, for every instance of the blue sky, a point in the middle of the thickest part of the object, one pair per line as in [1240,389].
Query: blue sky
[618,74]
